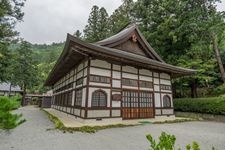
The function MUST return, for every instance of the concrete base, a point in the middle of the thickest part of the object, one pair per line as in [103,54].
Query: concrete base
[72,121]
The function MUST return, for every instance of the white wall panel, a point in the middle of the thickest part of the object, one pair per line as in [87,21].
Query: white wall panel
[116,104]
[99,84]
[164,75]
[156,87]
[98,113]
[116,83]
[155,74]
[116,67]
[80,66]
[80,74]
[116,74]
[145,72]
[115,113]
[157,100]
[130,76]
[156,81]
[100,63]
[145,78]
[166,82]
[100,72]
[129,69]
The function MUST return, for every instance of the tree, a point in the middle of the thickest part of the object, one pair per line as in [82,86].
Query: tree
[24,68]
[121,17]
[96,29]
[91,30]
[10,13]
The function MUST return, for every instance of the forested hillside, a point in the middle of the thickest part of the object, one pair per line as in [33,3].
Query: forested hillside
[185,33]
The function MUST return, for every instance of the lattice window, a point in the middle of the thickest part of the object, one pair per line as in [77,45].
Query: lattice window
[78,99]
[146,84]
[129,82]
[165,87]
[99,79]
[99,99]
[166,101]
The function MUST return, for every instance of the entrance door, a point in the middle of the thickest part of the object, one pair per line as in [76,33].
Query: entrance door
[137,104]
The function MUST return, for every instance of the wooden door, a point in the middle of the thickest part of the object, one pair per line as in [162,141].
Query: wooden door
[137,104]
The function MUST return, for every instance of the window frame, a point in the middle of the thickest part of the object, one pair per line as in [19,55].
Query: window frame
[165,105]
[98,102]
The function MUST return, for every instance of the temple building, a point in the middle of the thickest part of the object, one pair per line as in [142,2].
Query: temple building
[121,77]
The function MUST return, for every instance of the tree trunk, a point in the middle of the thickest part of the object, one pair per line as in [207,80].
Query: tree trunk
[10,89]
[218,57]
[193,88]
[23,97]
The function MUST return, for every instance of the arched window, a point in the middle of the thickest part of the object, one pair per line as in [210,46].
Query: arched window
[166,101]
[99,99]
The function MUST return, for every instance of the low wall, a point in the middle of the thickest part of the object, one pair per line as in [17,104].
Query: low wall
[210,117]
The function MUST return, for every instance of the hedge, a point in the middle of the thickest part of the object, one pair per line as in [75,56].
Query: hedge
[211,105]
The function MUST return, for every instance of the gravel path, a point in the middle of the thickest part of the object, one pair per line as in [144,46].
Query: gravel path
[32,135]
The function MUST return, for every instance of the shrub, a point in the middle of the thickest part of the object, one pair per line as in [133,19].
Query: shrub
[213,105]
[167,142]
[7,119]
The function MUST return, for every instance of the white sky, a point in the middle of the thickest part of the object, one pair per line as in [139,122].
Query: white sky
[48,21]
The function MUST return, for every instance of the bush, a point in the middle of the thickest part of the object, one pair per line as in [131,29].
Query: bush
[218,90]
[7,119]
[213,105]
[167,142]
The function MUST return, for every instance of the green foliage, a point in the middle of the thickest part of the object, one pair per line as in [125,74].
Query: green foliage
[218,90]
[7,119]
[97,25]
[10,14]
[167,142]
[212,105]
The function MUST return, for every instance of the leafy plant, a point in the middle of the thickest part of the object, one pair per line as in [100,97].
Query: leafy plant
[9,120]
[167,142]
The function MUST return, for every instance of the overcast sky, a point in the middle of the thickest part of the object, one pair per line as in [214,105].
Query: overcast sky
[48,21]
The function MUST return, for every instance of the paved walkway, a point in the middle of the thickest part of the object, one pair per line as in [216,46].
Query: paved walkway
[32,135]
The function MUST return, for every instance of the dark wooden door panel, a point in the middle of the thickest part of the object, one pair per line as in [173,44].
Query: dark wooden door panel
[137,105]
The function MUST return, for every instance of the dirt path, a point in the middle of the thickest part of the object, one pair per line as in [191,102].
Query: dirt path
[32,135]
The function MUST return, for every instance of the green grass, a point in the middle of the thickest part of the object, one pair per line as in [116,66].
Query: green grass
[85,129]
[209,105]
[176,121]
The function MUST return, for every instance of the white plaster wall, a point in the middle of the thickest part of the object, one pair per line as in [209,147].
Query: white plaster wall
[170,95]
[167,111]
[130,76]
[116,83]
[166,82]
[101,72]
[82,113]
[116,74]
[83,97]
[164,75]
[115,113]
[146,89]
[116,104]
[156,87]
[145,78]
[85,71]
[129,87]
[80,74]
[77,112]
[130,69]
[80,66]
[100,63]
[145,72]
[85,81]
[91,90]
[155,74]
[158,111]
[156,81]
[73,98]
[99,84]
[157,100]
[98,113]
[85,63]
[116,67]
